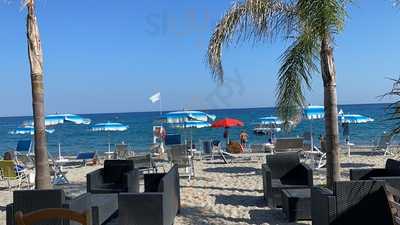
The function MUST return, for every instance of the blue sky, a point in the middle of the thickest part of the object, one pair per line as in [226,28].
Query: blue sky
[103,56]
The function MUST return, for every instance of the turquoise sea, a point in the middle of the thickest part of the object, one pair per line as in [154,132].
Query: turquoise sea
[76,138]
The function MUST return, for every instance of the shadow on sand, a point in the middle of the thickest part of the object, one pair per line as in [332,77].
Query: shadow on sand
[233,170]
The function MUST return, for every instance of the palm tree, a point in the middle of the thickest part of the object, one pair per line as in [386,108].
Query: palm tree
[42,177]
[310,25]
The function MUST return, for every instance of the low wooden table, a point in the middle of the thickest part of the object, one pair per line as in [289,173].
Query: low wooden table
[296,204]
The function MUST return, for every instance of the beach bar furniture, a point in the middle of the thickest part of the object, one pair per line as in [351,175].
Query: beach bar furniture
[180,156]
[116,176]
[102,206]
[288,144]
[86,157]
[11,172]
[121,151]
[172,139]
[390,174]
[384,143]
[51,214]
[296,204]
[159,203]
[284,171]
[144,163]
[350,203]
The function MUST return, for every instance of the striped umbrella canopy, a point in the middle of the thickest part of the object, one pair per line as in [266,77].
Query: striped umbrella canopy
[313,112]
[109,127]
[56,119]
[270,120]
[192,124]
[354,118]
[186,115]
[28,130]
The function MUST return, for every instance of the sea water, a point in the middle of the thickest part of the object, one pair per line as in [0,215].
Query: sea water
[139,136]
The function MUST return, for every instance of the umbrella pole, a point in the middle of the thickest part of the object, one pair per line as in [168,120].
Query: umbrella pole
[312,137]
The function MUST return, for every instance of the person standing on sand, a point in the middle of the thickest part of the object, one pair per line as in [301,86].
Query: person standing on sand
[243,138]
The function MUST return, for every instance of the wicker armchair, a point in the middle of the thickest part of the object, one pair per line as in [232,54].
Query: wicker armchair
[284,171]
[116,176]
[390,174]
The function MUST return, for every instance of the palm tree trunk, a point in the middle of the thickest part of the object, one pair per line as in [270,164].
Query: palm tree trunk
[330,103]
[42,177]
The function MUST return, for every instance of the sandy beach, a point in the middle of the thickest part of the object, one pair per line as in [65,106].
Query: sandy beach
[222,193]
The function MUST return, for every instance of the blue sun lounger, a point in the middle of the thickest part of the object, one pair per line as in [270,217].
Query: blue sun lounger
[86,156]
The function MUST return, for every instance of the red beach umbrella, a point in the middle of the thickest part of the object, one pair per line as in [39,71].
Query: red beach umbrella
[227,122]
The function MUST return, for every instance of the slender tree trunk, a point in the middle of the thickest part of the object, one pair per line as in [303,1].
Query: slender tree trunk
[330,103]
[42,177]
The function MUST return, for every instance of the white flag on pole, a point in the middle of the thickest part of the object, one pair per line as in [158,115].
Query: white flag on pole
[156,97]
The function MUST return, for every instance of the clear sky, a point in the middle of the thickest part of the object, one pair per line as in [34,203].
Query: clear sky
[110,56]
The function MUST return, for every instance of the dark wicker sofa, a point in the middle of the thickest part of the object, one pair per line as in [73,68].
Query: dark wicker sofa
[158,205]
[284,171]
[350,203]
[116,176]
[390,174]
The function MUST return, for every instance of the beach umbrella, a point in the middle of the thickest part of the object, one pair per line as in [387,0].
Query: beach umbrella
[109,127]
[227,123]
[194,124]
[347,119]
[188,119]
[59,119]
[28,130]
[186,115]
[56,119]
[269,124]
[313,112]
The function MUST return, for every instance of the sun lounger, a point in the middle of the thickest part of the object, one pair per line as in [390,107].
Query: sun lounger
[384,143]
[86,157]
[288,144]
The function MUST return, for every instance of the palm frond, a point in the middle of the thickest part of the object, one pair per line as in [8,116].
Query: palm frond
[393,110]
[297,66]
[323,16]
[257,19]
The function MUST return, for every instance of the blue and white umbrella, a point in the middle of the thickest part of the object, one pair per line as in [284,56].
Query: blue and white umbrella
[29,130]
[185,116]
[188,119]
[270,120]
[56,119]
[346,119]
[354,118]
[109,127]
[268,125]
[313,112]
[192,124]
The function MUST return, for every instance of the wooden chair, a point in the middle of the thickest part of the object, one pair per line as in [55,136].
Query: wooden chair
[51,213]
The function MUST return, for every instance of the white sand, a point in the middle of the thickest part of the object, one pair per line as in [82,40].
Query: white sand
[220,193]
